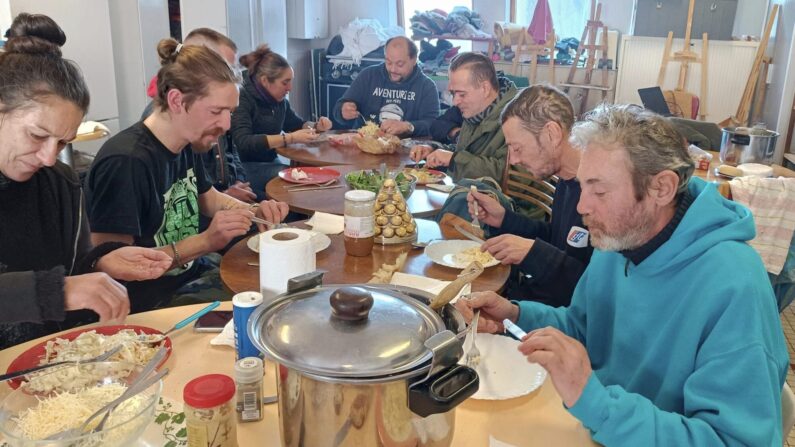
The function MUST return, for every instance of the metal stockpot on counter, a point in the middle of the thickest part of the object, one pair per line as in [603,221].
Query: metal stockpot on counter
[744,145]
[363,365]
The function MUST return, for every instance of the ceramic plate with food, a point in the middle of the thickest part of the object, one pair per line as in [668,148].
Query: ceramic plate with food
[308,175]
[426,176]
[90,342]
[458,253]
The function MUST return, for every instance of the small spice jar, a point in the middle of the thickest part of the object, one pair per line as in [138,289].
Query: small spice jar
[359,222]
[248,378]
[210,412]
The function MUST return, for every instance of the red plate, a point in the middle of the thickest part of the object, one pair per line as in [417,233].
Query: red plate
[436,176]
[315,175]
[34,354]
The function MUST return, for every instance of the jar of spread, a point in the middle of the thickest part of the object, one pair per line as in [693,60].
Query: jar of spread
[359,222]
[210,411]
[248,377]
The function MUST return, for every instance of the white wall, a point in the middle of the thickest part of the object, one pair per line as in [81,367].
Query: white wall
[5,16]
[617,14]
[751,16]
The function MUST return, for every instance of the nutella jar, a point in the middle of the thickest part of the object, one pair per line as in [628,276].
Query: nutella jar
[359,222]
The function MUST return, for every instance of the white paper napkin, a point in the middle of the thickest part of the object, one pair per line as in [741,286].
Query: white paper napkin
[494,442]
[327,223]
[91,127]
[424,283]
[226,337]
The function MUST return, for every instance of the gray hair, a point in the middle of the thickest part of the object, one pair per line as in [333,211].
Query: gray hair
[537,105]
[650,141]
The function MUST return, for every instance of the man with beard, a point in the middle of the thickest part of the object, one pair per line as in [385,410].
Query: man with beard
[480,95]
[396,94]
[673,335]
[547,258]
[147,187]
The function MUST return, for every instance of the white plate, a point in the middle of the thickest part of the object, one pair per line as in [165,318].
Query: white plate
[443,252]
[319,240]
[503,371]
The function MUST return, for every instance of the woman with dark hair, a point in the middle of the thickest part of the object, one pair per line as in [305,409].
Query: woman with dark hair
[264,119]
[47,264]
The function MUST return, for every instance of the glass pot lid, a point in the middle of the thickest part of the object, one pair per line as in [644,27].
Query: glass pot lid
[347,331]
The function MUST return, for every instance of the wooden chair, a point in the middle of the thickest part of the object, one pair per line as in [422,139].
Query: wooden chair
[519,184]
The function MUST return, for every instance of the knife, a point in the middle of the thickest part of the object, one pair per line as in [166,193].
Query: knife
[468,235]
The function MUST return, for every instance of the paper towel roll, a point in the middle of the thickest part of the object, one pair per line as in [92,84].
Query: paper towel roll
[283,254]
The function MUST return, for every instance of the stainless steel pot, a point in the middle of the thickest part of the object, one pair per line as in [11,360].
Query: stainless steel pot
[747,146]
[363,365]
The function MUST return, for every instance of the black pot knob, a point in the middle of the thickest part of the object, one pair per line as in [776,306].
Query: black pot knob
[351,303]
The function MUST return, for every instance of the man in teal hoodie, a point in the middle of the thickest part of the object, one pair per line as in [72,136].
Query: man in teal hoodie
[672,336]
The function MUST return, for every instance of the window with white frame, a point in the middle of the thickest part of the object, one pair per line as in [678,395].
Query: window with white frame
[568,17]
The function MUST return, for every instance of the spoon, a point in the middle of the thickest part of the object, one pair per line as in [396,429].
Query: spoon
[418,244]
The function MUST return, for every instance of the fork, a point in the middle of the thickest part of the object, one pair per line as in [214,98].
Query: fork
[303,185]
[269,224]
[473,355]
[100,358]
[475,222]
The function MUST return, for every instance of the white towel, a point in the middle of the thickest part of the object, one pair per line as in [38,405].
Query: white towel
[327,223]
[772,203]
[91,127]
[494,442]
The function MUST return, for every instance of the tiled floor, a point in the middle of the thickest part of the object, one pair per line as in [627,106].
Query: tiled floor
[788,323]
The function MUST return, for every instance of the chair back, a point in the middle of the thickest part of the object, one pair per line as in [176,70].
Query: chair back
[519,184]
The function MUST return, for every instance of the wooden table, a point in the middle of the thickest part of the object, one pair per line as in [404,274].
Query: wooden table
[324,153]
[238,276]
[423,202]
[722,182]
[537,419]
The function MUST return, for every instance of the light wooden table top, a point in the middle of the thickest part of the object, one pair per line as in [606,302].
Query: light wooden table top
[238,276]
[423,202]
[722,182]
[537,419]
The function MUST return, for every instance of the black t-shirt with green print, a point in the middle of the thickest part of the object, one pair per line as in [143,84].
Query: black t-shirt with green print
[138,187]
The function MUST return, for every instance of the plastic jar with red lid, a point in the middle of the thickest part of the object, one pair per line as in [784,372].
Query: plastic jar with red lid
[210,411]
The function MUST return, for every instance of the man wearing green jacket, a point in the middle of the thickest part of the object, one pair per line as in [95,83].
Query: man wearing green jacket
[672,337]
[480,95]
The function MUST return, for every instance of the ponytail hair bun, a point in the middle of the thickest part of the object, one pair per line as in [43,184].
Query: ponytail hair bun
[35,34]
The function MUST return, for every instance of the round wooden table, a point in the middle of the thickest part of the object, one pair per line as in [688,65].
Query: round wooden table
[536,419]
[323,153]
[423,202]
[238,276]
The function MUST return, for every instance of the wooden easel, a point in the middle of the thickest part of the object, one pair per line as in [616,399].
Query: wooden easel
[741,117]
[592,27]
[685,58]
[527,47]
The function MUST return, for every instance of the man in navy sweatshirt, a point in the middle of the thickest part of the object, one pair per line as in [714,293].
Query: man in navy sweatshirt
[548,258]
[396,94]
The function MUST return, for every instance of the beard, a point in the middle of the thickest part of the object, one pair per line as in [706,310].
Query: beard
[207,140]
[630,230]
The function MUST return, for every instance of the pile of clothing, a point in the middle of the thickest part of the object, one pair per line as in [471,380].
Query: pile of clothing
[461,22]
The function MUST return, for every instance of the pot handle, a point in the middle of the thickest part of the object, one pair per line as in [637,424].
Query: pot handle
[444,391]
[742,140]
[305,282]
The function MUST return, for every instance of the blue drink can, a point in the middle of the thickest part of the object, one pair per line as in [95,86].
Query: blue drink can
[243,305]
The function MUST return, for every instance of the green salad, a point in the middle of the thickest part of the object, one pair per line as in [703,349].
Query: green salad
[371,181]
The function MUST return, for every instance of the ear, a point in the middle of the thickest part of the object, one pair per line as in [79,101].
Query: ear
[553,132]
[175,100]
[662,188]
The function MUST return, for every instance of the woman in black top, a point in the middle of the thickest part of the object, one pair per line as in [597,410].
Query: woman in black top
[47,264]
[264,120]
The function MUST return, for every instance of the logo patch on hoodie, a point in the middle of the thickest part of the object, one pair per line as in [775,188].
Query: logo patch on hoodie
[578,237]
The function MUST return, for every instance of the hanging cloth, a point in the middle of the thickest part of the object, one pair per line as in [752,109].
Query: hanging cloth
[541,25]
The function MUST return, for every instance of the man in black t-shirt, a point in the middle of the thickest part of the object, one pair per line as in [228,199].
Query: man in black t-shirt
[547,258]
[148,187]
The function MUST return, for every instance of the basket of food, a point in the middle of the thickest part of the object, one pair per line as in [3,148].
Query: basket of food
[373,140]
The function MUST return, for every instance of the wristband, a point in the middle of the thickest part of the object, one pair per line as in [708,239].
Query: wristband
[177,257]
